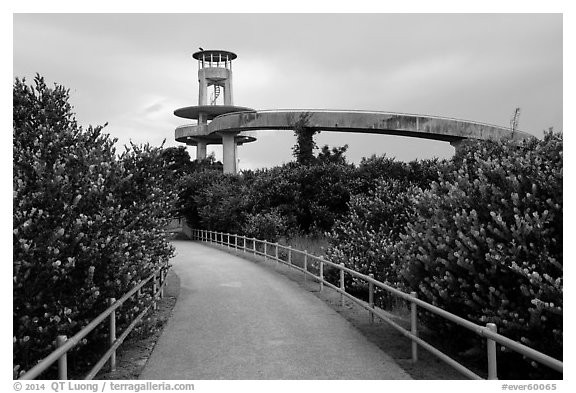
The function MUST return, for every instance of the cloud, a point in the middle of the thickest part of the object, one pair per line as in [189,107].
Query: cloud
[155,108]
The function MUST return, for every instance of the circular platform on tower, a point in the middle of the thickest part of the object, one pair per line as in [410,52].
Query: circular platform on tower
[192,134]
[215,54]
[193,112]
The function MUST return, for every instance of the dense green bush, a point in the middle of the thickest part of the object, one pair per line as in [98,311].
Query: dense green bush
[223,204]
[486,241]
[364,240]
[418,172]
[87,225]
[308,198]
[322,194]
[268,226]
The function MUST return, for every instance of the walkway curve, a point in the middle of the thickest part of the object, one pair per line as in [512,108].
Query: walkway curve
[236,319]
[372,122]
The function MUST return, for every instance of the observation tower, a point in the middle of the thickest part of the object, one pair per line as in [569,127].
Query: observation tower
[220,122]
[214,70]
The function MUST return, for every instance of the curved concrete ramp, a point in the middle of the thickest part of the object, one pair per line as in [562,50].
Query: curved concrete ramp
[418,126]
[235,319]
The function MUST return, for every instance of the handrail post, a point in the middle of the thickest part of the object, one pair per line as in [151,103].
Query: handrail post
[342,285]
[162,278]
[244,247]
[235,241]
[276,255]
[254,245]
[290,255]
[62,360]
[265,250]
[414,326]
[305,265]
[154,287]
[371,297]
[321,274]
[491,349]
[112,332]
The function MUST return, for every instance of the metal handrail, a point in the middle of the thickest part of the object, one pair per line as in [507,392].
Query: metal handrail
[66,344]
[489,331]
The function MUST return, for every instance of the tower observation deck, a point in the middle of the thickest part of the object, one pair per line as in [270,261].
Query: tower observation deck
[214,70]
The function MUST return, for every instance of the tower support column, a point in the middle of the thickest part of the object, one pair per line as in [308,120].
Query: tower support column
[228,100]
[203,88]
[201,150]
[229,152]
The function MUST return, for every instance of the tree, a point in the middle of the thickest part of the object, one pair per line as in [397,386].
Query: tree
[335,156]
[177,159]
[303,150]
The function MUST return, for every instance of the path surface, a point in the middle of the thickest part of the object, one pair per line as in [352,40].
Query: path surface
[237,319]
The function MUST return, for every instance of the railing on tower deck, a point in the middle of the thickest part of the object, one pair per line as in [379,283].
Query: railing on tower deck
[64,344]
[270,251]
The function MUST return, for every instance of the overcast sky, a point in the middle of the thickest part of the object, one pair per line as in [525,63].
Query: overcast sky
[134,70]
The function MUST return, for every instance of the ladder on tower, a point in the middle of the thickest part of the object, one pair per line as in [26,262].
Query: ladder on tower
[216,94]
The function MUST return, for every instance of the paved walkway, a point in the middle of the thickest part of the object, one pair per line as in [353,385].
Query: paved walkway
[235,319]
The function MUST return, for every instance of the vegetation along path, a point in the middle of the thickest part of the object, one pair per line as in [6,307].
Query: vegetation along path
[235,319]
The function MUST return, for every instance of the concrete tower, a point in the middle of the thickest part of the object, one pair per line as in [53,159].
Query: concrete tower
[215,98]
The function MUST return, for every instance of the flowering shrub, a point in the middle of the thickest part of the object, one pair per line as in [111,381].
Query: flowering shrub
[483,240]
[364,240]
[87,225]
[486,241]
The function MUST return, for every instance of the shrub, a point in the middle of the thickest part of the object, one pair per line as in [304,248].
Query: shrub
[486,242]
[268,226]
[418,172]
[87,225]
[364,240]
[190,186]
[222,204]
